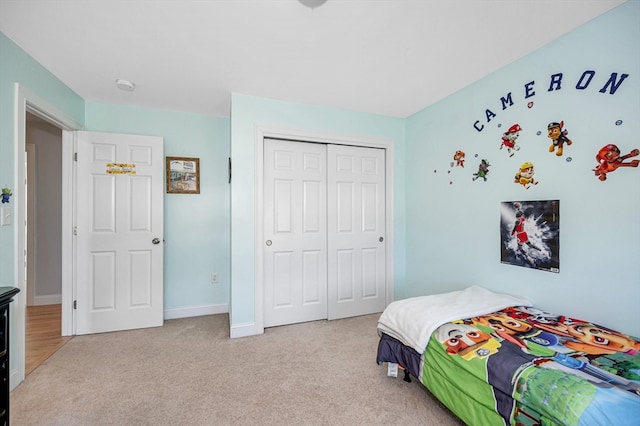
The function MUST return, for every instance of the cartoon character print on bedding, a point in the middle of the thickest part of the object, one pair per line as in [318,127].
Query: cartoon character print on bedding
[605,366]
[488,357]
[526,354]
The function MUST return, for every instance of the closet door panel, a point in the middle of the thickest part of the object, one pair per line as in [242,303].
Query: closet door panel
[295,230]
[356,230]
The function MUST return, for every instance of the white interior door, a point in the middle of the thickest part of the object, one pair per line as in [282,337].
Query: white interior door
[295,229]
[356,231]
[119,257]
[324,228]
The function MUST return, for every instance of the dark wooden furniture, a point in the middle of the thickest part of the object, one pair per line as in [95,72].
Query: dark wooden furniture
[6,296]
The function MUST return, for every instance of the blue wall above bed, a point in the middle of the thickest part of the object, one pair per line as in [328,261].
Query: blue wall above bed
[453,222]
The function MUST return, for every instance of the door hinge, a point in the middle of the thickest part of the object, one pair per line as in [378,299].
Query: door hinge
[75,304]
[75,156]
[75,230]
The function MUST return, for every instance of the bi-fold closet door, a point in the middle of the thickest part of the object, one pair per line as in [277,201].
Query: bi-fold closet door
[324,224]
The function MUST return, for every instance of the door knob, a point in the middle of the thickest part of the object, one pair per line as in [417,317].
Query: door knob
[381,239]
[156,241]
[268,243]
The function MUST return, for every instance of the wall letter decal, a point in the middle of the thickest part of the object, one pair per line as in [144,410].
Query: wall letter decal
[528,89]
[556,80]
[583,85]
[489,115]
[612,83]
[505,100]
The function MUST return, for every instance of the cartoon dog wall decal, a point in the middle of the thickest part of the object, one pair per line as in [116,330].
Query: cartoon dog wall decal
[483,170]
[558,137]
[524,176]
[509,139]
[609,160]
[459,158]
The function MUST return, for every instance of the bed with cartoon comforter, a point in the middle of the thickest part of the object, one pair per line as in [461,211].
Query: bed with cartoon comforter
[493,359]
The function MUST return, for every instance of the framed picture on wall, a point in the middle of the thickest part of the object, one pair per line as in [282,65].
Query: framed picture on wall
[530,234]
[183,175]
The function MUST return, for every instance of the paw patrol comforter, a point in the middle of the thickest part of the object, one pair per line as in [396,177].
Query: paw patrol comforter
[522,366]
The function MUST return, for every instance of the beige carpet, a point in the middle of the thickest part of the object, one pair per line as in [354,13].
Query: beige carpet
[189,372]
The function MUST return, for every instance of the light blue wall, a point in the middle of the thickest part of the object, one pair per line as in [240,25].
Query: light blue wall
[248,112]
[452,222]
[18,67]
[196,225]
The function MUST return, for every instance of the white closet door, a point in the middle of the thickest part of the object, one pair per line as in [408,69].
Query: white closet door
[324,224]
[356,231]
[295,229]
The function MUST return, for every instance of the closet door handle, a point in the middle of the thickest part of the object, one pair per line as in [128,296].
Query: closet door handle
[381,239]
[268,243]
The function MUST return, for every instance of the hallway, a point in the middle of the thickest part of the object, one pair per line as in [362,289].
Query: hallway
[43,337]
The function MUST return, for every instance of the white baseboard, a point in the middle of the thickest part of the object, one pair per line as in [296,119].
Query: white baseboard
[13,379]
[244,330]
[196,311]
[48,299]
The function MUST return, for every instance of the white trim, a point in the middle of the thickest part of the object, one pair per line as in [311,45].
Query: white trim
[260,133]
[69,215]
[25,100]
[196,311]
[244,330]
[32,223]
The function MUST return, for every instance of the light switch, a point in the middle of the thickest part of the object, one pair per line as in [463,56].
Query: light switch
[5,216]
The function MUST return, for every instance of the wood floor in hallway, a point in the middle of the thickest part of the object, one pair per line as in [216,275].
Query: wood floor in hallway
[43,334]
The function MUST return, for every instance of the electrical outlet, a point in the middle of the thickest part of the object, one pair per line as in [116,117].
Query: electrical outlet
[214,278]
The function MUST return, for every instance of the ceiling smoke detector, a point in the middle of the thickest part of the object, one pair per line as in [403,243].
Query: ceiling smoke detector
[312,3]
[125,85]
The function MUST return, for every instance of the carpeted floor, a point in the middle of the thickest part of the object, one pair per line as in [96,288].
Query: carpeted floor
[189,372]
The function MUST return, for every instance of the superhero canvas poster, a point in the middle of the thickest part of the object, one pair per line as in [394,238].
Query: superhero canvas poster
[530,234]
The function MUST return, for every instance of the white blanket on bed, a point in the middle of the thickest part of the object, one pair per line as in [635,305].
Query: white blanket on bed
[412,320]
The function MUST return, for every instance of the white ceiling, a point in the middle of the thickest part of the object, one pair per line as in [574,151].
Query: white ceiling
[390,57]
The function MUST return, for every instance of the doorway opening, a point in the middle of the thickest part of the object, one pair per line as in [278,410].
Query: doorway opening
[43,228]
[28,102]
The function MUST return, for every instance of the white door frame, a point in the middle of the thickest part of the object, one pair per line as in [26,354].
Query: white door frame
[31,224]
[25,100]
[262,132]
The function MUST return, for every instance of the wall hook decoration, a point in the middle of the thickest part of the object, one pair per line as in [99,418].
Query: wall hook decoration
[6,194]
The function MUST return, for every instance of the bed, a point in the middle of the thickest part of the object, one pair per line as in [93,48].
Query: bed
[493,359]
